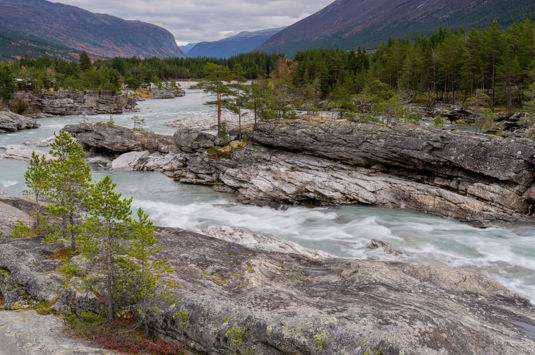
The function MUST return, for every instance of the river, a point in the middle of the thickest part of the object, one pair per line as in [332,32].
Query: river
[506,254]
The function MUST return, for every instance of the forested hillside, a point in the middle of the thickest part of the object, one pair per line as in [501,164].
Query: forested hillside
[350,24]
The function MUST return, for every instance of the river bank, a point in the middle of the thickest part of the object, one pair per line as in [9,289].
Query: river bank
[506,254]
[479,179]
[283,298]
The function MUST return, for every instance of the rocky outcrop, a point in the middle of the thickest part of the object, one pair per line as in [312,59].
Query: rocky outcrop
[490,169]
[114,140]
[166,93]
[71,103]
[27,332]
[20,152]
[11,122]
[242,299]
[476,178]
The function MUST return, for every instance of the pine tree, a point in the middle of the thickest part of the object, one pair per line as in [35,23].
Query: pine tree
[217,78]
[105,237]
[69,179]
[36,178]
[7,82]
[140,286]
[85,61]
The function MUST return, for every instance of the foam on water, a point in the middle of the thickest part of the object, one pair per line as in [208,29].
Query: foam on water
[507,255]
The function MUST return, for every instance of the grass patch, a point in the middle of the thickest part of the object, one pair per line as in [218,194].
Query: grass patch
[122,336]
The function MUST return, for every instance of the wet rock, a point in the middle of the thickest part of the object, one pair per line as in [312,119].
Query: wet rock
[12,122]
[40,142]
[261,241]
[379,244]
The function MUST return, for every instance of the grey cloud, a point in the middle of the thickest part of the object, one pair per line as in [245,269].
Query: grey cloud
[207,20]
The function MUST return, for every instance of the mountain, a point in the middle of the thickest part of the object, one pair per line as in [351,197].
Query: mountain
[98,34]
[13,46]
[243,42]
[185,49]
[353,23]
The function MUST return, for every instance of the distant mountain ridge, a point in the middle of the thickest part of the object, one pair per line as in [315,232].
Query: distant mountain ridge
[186,48]
[243,42]
[14,46]
[98,34]
[352,23]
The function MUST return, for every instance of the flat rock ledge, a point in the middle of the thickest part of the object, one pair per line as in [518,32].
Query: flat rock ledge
[28,333]
[264,298]
[12,122]
[72,103]
[479,179]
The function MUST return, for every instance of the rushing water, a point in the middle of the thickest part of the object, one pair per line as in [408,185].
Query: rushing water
[507,255]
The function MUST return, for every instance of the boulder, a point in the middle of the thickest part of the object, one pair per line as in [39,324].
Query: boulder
[191,140]
[127,161]
[12,122]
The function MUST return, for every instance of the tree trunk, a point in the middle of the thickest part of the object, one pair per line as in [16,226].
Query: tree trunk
[493,84]
[73,237]
[218,113]
[109,286]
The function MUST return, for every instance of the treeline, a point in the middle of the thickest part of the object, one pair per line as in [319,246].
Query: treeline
[44,73]
[449,65]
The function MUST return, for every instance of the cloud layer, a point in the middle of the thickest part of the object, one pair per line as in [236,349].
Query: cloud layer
[207,20]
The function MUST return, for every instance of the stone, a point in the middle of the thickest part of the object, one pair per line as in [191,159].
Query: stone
[169,93]
[127,161]
[30,333]
[379,244]
[12,122]
[191,140]
[283,302]
[261,241]
[73,103]
[21,152]
[112,140]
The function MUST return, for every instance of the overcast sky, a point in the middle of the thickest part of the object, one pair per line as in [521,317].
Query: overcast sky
[206,20]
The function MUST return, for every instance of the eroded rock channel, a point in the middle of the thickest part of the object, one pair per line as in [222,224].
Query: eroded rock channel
[475,178]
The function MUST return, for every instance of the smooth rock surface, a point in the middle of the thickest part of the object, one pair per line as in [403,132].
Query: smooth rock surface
[283,302]
[28,333]
[12,122]
[128,160]
[20,152]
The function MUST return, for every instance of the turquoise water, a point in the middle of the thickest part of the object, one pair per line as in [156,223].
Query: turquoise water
[507,255]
